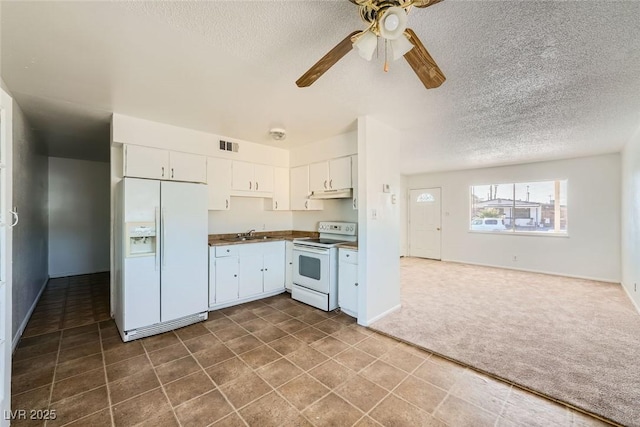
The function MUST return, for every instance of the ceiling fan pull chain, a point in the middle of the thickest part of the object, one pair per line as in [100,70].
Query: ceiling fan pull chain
[386,62]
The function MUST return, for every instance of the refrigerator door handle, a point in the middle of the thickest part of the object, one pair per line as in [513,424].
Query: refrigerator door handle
[157,219]
[162,222]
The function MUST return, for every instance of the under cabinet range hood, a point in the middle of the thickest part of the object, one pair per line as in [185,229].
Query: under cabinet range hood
[345,193]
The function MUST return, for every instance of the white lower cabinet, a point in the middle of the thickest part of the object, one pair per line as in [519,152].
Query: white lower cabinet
[226,281]
[245,272]
[348,281]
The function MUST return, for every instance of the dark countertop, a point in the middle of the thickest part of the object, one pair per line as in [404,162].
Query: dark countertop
[349,245]
[273,236]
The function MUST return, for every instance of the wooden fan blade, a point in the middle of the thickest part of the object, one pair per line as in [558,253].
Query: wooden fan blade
[327,61]
[422,63]
[425,3]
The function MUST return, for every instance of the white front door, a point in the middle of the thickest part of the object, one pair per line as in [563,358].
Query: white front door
[424,223]
[6,222]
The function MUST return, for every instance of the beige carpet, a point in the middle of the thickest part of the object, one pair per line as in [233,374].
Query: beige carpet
[577,341]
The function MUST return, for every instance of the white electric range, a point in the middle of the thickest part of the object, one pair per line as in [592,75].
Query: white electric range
[315,265]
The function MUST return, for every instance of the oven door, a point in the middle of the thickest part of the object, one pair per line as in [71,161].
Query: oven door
[311,268]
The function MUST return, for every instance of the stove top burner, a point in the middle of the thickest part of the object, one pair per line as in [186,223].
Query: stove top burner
[323,241]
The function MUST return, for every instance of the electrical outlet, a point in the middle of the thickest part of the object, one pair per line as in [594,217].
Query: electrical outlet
[374,214]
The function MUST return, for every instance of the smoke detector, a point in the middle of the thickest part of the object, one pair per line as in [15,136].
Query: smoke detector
[278,134]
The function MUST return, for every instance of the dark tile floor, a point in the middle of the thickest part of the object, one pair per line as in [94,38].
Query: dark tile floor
[273,362]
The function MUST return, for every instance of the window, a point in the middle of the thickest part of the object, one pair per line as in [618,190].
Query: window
[425,198]
[526,207]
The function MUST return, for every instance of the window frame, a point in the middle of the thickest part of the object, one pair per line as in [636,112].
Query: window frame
[511,231]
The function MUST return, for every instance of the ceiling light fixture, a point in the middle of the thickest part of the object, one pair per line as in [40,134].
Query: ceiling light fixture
[390,24]
[278,134]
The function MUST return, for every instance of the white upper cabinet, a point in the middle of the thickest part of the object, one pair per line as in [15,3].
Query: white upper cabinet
[144,162]
[280,201]
[154,163]
[300,191]
[263,178]
[252,177]
[354,180]
[187,167]
[340,173]
[319,176]
[219,183]
[332,175]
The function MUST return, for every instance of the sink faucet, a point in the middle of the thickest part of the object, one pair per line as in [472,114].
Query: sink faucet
[250,233]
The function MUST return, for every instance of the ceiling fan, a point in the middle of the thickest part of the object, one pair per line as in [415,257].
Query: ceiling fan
[387,19]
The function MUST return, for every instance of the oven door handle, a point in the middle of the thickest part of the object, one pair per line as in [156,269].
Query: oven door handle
[309,249]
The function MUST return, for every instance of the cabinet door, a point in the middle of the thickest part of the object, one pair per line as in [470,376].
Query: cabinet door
[227,279]
[242,176]
[187,167]
[280,189]
[263,178]
[274,271]
[250,275]
[319,176]
[340,173]
[354,180]
[144,162]
[219,183]
[288,265]
[348,288]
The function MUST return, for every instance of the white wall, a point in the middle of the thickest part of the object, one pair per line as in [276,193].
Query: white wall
[248,213]
[79,197]
[631,218]
[333,210]
[592,249]
[379,239]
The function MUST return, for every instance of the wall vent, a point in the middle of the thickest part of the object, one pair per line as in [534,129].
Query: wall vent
[229,146]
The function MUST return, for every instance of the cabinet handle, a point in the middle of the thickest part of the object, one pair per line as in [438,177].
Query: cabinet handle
[290,263]
[330,183]
[228,250]
[266,269]
[356,284]
[347,255]
[354,203]
[163,171]
[249,185]
[262,269]
[226,203]
[276,204]
[256,185]
[306,204]
[171,173]
[325,184]
[235,275]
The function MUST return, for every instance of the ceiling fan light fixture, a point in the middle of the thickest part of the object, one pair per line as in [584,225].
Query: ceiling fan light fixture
[392,23]
[366,44]
[400,46]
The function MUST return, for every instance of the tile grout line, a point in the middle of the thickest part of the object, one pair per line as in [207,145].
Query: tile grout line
[55,367]
[106,377]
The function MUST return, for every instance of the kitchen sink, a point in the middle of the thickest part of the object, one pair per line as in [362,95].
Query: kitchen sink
[247,238]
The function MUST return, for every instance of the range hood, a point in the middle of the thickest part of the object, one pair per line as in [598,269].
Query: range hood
[345,193]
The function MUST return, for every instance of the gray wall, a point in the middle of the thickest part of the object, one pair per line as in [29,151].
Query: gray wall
[30,236]
[79,194]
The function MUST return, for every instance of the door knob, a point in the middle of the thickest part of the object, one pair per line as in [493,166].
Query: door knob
[438,228]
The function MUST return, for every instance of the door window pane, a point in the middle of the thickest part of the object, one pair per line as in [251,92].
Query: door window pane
[425,198]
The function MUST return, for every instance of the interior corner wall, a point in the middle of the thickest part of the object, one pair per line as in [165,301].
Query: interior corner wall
[631,218]
[378,221]
[79,200]
[592,248]
[403,203]
[30,235]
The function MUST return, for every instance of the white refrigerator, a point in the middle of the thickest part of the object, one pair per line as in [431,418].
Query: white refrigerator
[161,256]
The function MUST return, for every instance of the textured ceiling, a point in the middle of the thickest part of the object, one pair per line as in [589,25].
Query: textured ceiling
[526,80]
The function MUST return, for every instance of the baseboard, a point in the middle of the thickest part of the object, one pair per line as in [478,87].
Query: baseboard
[381,315]
[77,273]
[23,325]
[633,302]
[528,270]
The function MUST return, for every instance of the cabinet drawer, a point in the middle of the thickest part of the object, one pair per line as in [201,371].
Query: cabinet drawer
[348,256]
[222,251]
